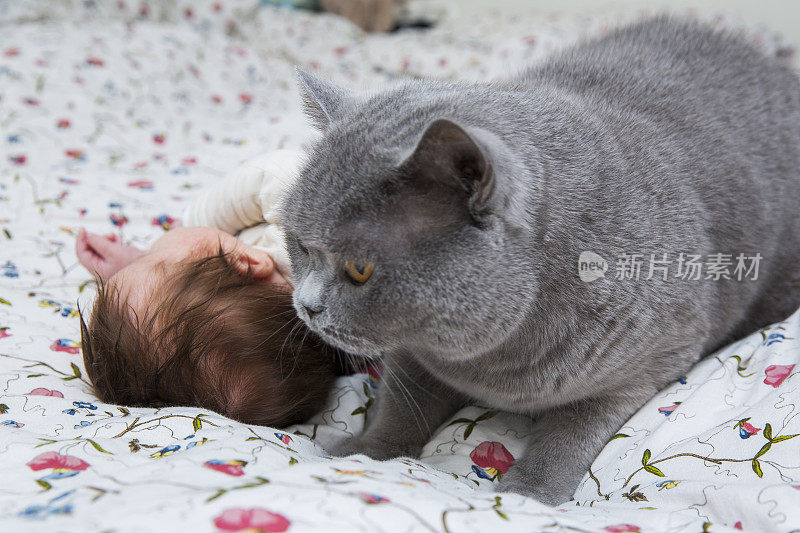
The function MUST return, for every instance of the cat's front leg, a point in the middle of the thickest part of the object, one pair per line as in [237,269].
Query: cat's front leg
[566,441]
[410,405]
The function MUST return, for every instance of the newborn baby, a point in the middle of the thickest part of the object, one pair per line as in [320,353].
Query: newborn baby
[203,318]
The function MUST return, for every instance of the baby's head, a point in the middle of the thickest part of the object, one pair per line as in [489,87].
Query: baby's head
[203,320]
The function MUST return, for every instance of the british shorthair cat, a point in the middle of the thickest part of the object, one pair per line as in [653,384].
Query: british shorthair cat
[440,227]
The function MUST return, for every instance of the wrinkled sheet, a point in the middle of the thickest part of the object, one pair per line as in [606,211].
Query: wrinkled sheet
[112,116]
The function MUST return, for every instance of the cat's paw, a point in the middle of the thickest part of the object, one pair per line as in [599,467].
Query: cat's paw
[378,450]
[518,482]
[345,448]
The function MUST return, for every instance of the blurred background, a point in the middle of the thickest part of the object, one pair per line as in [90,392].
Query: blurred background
[382,15]
[779,15]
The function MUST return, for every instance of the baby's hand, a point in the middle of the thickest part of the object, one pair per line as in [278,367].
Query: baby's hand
[104,255]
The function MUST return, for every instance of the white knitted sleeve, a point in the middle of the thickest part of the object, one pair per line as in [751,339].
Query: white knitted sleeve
[248,196]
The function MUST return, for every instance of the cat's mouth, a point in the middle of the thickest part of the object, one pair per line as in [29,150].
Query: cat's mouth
[350,343]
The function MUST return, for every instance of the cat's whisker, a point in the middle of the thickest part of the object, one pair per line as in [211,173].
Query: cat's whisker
[406,394]
[283,345]
[306,331]
[417,385]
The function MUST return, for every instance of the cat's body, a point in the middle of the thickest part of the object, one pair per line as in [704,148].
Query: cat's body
[474,202]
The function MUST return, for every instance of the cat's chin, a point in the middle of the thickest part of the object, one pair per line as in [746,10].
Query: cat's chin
[352,345]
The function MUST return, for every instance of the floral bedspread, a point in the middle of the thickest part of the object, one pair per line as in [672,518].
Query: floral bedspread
[112,116]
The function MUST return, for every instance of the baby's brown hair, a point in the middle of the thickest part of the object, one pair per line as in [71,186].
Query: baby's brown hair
[211,338]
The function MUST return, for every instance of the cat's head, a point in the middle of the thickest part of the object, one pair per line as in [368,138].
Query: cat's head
[405,229]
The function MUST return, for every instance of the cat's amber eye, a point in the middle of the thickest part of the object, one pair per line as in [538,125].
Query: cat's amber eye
[358,273]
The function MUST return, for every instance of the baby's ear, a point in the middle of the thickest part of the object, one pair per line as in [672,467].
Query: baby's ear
[256,263]
[322,101]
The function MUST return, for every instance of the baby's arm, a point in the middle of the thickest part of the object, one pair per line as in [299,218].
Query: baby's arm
[248,196]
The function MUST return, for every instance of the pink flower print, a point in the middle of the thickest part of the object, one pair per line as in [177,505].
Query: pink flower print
[776,374]
[738,525]
[666,411]
[415,478]
[63,124]
[284,438]
[232,468]
[164,221]
[622,528]
[65,345]
[94,61]
[747,430]
[491,459]
[57,461]
[217,99]
[45,392]
[373,498]
[77,155]
[246,98]
[254,519]
[4,333]
[18,159]
[144,185]
[118,220]
[11,52]
[189,161]
[159,138]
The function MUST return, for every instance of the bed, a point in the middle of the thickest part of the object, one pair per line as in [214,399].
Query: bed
[113,115]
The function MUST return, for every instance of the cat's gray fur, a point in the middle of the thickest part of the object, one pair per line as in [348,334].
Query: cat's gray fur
[474,201]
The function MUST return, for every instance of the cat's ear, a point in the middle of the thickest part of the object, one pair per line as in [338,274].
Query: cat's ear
[321,100]
[448,155]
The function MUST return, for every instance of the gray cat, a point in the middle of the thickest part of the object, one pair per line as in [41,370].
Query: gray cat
[438,227]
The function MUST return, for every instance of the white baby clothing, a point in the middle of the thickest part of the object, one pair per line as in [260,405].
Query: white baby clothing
[246,203]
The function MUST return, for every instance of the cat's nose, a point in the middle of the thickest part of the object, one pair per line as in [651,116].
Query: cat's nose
[313,309]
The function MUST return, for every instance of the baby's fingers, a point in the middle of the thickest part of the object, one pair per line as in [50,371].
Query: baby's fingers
[101,244]
[86,255]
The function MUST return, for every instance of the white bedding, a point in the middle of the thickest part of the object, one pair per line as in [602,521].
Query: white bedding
[112,117]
